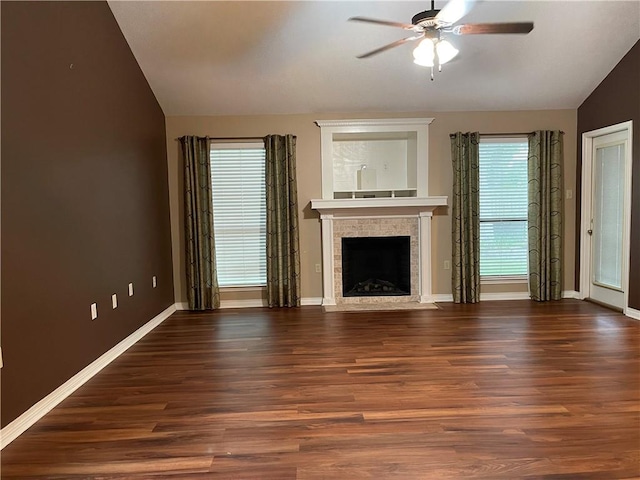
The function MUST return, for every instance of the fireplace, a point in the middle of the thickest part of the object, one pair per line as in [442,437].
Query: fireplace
[397,205]
[381,281]
[378,218]
[376,266]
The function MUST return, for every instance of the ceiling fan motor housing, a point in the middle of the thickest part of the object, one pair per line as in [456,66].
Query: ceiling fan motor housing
[426,18]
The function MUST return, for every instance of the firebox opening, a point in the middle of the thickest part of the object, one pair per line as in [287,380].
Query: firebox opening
[376,266]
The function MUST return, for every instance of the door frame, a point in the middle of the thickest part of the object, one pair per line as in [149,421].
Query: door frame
[585,217]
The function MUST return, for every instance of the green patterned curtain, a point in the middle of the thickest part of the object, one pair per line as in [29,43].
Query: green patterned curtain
[465,228]
[545,215]
[283,251]
[202,283]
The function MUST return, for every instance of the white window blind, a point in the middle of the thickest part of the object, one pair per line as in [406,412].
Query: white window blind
[239,213]
[503,207]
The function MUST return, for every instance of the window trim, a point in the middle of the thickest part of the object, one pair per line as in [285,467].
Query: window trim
[244,288]
[504,279]
[219,145]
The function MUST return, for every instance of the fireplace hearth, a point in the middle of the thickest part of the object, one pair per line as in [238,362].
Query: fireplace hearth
[376,266]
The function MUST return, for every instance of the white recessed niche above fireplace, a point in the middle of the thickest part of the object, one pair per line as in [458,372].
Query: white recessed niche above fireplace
[375,158]
[375,184]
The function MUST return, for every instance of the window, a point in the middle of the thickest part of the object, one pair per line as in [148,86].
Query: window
[503,207]
[239,213]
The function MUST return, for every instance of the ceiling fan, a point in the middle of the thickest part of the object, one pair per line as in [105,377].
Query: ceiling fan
[433,26]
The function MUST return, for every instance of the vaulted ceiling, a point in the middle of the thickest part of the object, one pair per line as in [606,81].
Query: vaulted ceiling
[277,57]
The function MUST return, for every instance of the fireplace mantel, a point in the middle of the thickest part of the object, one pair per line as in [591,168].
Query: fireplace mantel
[363,207]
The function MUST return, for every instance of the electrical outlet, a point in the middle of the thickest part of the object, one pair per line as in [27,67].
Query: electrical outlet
[447,265]
[114,301]
[318,268]
[569,194]
[131,289]
[154,282]
[94,311]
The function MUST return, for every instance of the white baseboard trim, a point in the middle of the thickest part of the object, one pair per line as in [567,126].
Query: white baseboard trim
[255,303]
[436,298]
[442,297]
[571,294]
[308,301]
[447,297]
[504,296]
[14,429]
[632,313]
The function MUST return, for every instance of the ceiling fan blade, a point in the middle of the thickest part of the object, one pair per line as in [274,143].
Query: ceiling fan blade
[454,11]
[397,43]
[488,28]
[387,23]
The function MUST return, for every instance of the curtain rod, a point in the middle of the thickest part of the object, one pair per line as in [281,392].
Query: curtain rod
[235,138]
[231,139]
[511,134]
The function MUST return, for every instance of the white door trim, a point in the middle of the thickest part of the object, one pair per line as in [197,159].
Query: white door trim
[585,218]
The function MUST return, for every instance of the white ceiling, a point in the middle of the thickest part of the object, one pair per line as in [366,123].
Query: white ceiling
[277,57]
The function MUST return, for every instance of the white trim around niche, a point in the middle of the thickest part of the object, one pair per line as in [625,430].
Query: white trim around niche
[416,126]
[373,122]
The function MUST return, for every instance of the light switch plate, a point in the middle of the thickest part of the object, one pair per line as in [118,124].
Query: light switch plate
[154,282]
[131,289]
[94,311]
[114,301]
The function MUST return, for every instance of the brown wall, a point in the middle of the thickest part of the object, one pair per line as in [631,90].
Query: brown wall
[309,180]
[85,207]
[617,100]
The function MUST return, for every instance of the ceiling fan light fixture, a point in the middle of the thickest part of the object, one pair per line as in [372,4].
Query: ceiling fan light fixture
[424,54]
[446,51]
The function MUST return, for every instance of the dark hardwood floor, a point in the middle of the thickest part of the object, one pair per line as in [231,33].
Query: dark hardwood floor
[499,390]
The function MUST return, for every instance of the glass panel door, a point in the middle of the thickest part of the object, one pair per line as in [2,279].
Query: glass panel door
[608,216]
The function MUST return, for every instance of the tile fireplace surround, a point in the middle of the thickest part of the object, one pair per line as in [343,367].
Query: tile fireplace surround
[377,217]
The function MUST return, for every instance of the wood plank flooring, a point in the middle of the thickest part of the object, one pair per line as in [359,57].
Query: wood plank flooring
[498,390]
